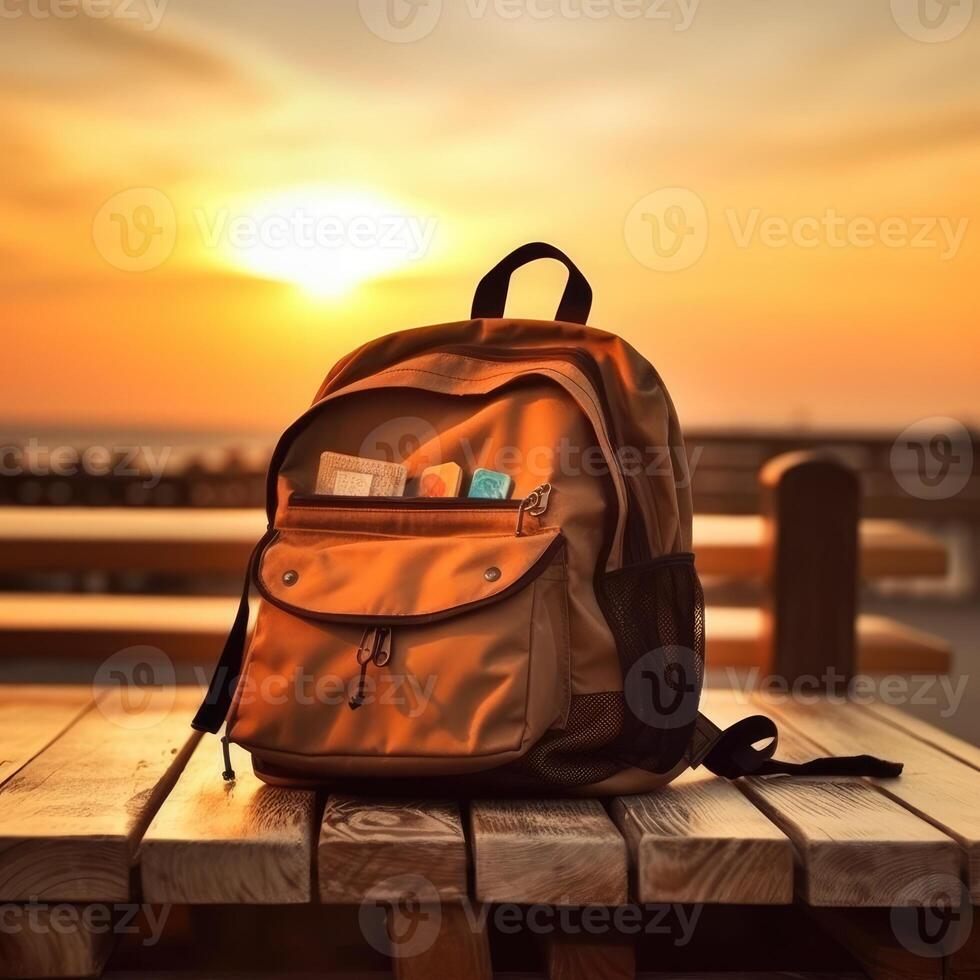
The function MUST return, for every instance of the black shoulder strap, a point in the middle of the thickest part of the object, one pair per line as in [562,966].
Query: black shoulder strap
[214,708]
[732,752]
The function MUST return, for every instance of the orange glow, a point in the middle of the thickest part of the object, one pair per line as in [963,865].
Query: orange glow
[835,155]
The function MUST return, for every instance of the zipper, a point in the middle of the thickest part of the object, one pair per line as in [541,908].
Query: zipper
[374,648]
[298,499]
[535,503]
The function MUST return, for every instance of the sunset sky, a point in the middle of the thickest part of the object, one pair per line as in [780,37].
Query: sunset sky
[831,277]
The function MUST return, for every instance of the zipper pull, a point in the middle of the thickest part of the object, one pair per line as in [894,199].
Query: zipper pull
[535,504]
[229,774]
[374,648]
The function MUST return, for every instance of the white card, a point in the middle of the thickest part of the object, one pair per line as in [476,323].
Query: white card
[348,484]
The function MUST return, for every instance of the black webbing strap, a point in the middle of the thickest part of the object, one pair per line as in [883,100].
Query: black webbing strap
[491,292]
[732,753]
[211,715]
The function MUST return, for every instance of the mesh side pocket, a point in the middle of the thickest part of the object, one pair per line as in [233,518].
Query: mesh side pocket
[581,752]
[656,613]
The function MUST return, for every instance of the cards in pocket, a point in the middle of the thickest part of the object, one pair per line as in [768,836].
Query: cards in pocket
[444,480]
[352,476]
[490,484]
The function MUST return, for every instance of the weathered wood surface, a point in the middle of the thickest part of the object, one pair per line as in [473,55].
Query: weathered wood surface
[33,716]
[96,626]
[71,818]
[218,541]
[934,785]
[700,840]
[735,637]
[561,852]
[239,842]
[377,848]
[855,846]
[930,734]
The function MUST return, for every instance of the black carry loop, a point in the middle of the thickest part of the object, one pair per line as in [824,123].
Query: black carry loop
[732,753]
[491,293]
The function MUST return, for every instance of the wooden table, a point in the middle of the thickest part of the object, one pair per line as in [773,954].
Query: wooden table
[114,800]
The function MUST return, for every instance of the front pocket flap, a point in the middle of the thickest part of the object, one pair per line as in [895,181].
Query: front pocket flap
[351,577]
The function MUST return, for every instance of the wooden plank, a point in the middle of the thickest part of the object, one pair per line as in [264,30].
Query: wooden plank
[366,848]
[560,852]
[589,957]
[457,948]
[924,732]
[855,846]
[70,820]
[31,718]
[934,785]
[96,626]
[735,546]
[241,842]
[964,963]
[52,941]
[736,638]
[867,934]
[178,541]
[700,840]
[196,541]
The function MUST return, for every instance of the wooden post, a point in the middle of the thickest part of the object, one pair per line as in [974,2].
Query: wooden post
[810,507]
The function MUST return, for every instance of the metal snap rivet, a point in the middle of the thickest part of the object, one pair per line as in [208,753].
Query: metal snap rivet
[492,573]
[290,577]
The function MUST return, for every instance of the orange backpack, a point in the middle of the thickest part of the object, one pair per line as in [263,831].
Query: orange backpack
[550,642]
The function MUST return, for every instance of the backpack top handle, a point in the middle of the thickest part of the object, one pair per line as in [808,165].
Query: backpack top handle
[491,294]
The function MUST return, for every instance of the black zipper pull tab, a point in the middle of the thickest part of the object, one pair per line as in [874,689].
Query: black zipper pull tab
[365,653]
[229,774]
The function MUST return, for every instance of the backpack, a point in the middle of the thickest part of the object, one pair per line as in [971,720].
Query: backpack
[551,642]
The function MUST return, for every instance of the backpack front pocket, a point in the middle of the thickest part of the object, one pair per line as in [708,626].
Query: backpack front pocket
[403,637]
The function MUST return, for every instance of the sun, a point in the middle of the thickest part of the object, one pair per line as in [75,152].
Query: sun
[325,241]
